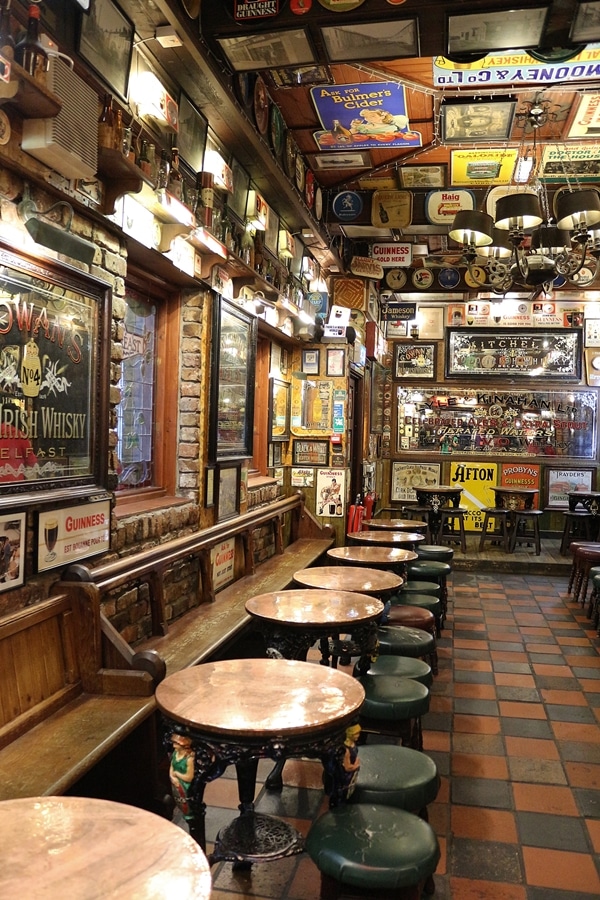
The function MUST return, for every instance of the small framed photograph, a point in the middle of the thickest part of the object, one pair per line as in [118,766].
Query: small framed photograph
[560,482]
[241,185]
[276,454]
[302,76]
[268,50]
[480,31]
[12,550]
[193,128]
[431,322]
[342,160]
[592,332]
[592,367]
[279,410]
[310,361]
[310,453]
[423,176]
[388,39]
[378,374]
[228,490]
[209,487]
[106,43]
[396,329]
[406,477]
[475,121]
[586,23]
[336,362]
[585,121]
[272,231]
[414,361]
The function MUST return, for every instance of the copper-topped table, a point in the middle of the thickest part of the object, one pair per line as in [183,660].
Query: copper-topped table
[514,498]
[78,848]
[375,582]
[394,525]
[406,539]
[373,556]
[235,712]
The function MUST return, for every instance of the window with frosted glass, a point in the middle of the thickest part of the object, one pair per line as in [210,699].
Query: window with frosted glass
[135,412]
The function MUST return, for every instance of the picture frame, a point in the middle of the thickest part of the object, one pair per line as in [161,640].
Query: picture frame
[268,50]
[431,322]
[105,42]
[276,458]
[414,361]
[67,534]
[389,39]
[310,453]
[396,329]
[483,31]
[191,137]
[592,332]
[423,176]
[592,367]
[271,236]
[12,550]
[585,120]
[560,481]
[586,23]
[241,185]
[280,396]
[406,477]
[228,482]
[336,361]
[311,360]
[209,487]
[481,352]
[476,120]
[378,373]
[302,76]
[350,160]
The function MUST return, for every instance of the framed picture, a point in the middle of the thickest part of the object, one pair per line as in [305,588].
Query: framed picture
[592,332]
[272,231]
[12,550]
[311,361]
[389,39]
[303,76]
[592,367]
[406,477]
[479,352]
[106,43]
[414,361]
[66,534]
[577,161]
[423,176]
[377,398]
[241,186]
[276,454]
[228,490]
[310,453]
[341,160]
[585,122]
[335,362]
[193,128]
[586,23]
[209,487]
[431,322]
[559,482]
[396,329]
[270,50]
[481,31]
[476,121]
[279,409]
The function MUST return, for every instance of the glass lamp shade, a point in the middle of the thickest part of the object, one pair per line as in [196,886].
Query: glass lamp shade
[518,211]
[549,240]
[472,228]
[500,248]
[576,210]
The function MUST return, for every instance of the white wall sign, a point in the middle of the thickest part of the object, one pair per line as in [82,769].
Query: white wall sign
[392,254]
[72,533]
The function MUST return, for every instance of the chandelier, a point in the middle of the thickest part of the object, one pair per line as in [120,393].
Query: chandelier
[523,244]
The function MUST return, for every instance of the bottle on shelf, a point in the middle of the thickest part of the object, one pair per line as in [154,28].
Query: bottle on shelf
[7,41]
[164,168]
[30,52]
[207,198]
[143,160]
[175,181]
[106,125]
[259,259]
[118,130]
[248,248]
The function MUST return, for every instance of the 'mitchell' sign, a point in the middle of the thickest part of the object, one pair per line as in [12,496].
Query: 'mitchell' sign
[392,254]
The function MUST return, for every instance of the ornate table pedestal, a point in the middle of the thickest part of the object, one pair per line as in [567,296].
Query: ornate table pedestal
[435,498]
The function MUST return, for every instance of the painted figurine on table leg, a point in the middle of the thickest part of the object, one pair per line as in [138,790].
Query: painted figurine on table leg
[340,768]
[181,771]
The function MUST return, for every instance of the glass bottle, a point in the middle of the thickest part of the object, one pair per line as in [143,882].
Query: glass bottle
[106,124]
[29,52]
[7,42]
[175,183]
[207,197]
[118,131]
[164,167]
[248,248]
[144,160]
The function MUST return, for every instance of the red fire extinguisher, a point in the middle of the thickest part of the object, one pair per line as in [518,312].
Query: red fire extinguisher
[370,499]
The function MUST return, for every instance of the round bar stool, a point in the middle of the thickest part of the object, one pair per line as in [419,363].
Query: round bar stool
[594,609]
[578,525]
[398,640]
[526,529]
[378,851]
[574,546]
[415,617]
[401,667]
[393,707]
[431,570]
[495,527]
[425,601]
[586,558]
[437,552]
[452,526]
[396,776]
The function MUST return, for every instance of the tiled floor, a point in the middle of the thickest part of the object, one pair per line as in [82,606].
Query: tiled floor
[514,728]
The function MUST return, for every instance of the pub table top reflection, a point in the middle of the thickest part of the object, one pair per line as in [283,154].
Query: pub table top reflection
[349,578]
[387,538]
[372,555]
[394,525]
[306,608]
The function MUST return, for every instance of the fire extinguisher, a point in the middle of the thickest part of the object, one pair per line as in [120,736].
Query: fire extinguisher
[370,499]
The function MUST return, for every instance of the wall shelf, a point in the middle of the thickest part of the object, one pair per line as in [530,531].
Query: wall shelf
[120,176]
[32,98]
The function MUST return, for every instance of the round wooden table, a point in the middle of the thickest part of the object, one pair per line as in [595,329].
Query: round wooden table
[515,498]
[76,848]
[435,498]
[376,582]
[239,711]
[387,538]
[394,525]
[373,556]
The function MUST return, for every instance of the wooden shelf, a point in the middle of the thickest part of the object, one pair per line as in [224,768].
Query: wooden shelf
[120,176]
[32,98]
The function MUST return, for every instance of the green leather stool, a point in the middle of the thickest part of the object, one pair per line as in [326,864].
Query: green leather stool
[373,850]
[415,617]
[594,607]
[421,587]
[435,551]
[396,776]
[397,640]
[402,667]
[393,707]
[425,601]
[431,570]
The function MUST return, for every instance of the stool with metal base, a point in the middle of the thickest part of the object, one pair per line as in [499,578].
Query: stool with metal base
[415,617]
[439,552]
[393,707]
[399,640]
[431,570]
[401,667]
[424,601]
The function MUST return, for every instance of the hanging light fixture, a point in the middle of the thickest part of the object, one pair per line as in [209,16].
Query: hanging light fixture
[526,245]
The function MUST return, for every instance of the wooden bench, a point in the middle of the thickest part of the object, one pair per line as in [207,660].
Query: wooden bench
[77,702]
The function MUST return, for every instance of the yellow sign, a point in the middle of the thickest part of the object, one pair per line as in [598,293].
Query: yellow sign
[483,167]
[391,209]
[477,481]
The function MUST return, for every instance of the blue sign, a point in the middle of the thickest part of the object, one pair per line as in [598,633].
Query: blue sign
[347,206]
[363,116]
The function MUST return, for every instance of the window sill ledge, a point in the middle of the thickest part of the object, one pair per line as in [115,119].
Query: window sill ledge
[137,506]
